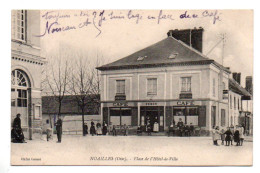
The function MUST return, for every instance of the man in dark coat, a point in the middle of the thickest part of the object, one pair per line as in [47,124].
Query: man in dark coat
[17,135]
[149,129]
[17,121]
[228,137]
[180,126]
[104,129]
[59,129]
[85,129]
[92,128]
[236,136]
[191,129]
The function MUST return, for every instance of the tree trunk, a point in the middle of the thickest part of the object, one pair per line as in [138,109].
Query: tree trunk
[82,113]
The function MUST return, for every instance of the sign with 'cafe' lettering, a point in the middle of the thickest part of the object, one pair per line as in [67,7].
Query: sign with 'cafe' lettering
[185,103]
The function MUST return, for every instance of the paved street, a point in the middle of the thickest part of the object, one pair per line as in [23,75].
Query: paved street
[131,150]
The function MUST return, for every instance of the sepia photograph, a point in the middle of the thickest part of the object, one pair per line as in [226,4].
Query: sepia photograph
[131,87]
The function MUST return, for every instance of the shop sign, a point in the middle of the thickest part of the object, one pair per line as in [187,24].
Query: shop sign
[185,103]
[120,104]
[151,104]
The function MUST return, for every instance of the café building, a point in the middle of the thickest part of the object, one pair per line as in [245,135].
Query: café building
[165,82]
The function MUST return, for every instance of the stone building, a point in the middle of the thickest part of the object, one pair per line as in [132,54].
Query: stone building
[167,81]
[26,66]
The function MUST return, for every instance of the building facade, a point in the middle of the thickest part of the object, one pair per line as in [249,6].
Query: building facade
[26,66]
[165,82]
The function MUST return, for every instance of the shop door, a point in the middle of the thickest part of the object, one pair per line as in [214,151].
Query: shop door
[152,117]
[152,114]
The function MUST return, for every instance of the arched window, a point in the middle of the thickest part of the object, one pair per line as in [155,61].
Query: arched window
[20,84]
[19,78]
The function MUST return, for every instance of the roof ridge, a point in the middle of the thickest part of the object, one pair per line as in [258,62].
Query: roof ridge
[191,48]
[198,52]
[134,52]
[239,85]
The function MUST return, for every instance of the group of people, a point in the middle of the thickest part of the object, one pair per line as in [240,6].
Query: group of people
[229,135]
[181,128]
[150,127]
[97,129]
[104,129]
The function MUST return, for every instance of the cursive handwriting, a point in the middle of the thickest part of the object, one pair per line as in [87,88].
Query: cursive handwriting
[50,29]
[96,19]
[215,15]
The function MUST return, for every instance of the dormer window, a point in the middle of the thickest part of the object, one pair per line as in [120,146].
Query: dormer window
[140,58]
[173,55]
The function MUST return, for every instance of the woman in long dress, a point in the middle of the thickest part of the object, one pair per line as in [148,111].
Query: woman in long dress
[216,135]
[241,135]
[99,130]
[156,127]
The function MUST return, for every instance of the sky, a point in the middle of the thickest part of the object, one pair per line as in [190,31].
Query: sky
[114,34]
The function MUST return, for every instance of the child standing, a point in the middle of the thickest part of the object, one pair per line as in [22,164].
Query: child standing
[228,138]
[222,135]
[114,130]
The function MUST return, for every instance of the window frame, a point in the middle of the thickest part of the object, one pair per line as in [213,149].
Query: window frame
[214,87]
[19,25]
[230,101]
[187,84]
[34,112]
[118,91]
[154,89]
[234,102]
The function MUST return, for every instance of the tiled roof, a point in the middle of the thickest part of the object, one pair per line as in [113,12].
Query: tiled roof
[167,52]
[235,87]
[69,105]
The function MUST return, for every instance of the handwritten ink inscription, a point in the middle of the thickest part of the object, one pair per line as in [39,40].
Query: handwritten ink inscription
[54,20]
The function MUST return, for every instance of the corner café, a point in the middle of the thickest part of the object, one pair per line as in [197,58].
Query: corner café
[165,82]
[123,112]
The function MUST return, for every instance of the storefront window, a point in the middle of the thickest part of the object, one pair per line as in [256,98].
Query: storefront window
[180,111]
[187,114]
[192,111]
[120,116]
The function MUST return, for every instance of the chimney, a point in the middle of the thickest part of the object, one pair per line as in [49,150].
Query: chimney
[249,84]
[237,77]
[192,37]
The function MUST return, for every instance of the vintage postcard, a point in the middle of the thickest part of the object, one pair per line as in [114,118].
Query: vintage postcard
[132,87]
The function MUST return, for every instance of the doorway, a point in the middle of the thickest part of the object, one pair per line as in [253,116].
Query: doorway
[152,114]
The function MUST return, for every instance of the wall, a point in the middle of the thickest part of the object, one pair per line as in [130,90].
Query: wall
[25,56]
[168,79]
[234,111]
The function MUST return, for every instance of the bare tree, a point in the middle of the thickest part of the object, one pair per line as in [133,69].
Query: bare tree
[81,80]
[57,78]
